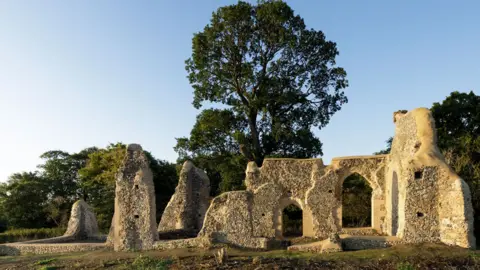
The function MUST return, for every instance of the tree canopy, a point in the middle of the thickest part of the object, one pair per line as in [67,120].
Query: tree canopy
[271,79]
[44,198]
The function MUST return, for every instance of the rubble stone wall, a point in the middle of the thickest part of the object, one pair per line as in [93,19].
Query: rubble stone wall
[426,200]
[134,222]
[188,205]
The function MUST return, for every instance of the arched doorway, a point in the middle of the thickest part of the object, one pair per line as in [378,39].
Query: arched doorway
[292,221]
[292,218]
[356,202]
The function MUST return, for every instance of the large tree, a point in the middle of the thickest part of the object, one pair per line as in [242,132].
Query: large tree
[23,200]
[273,78]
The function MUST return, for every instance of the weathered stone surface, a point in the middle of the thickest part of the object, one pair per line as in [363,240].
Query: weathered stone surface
[416,196]
[187,207]
[228,220]
[134,223]
[24,249]
[426,200]
[332,244]
[82,224]
[305,183]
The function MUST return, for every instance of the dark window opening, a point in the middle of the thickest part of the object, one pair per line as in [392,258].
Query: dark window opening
[330,191]
[418,175]
[419,214]
[292,221]
[136,216]
[356,202]
[136,186]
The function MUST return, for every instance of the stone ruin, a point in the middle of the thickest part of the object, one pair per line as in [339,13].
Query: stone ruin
[134,223]
[416,197]
[187,207]
[83,223]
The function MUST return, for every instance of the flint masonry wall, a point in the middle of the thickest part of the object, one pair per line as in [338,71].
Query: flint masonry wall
[188,205]
[415,196]
[426,200]
[134,222]
[249,218]
[373,169]
[83,223]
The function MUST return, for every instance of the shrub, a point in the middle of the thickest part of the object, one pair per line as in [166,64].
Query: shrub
[17,235]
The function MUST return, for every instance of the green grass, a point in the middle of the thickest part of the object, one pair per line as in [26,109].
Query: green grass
[17,235]
[45,261]
[143,262]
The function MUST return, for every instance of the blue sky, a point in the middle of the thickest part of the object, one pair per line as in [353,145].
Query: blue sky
[75,74]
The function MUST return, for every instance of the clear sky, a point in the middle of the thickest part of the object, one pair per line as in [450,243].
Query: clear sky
[75,74]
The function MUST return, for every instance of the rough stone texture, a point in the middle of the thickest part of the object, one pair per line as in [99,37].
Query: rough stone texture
[331,244]
[239,217]
[415,196]
[368,242]
[134,223]
[426,200]
[228,220]
[82,224]
[180,243]
[23,248]
[187,207]
[336,243]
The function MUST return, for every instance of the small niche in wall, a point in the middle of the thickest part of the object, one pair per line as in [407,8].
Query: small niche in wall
[330,191]
[263,215]
[418,175]
[420,214]
[136,186]
[136,216]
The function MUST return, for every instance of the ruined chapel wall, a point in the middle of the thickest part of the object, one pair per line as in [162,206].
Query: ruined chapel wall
[427,201]
[373,169]
[277,184]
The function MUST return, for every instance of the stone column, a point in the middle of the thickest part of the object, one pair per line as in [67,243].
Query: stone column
[134,224]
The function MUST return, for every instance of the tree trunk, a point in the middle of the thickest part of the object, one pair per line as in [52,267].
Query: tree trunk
[257,150]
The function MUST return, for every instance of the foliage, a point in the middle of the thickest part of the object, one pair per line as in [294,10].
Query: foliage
[98,181]
[274,80]
[44,198]
[22,200]
[457,122]
[16,235]
[356,202]
[45,261]
[146,263]
[387,149]
[292,221]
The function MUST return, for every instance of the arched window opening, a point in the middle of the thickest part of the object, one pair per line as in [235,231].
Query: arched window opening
[292,221]
[356,202]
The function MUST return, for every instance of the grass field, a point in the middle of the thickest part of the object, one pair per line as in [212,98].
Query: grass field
[402,257]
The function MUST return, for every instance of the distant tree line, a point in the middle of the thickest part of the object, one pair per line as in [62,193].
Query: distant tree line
[43,198]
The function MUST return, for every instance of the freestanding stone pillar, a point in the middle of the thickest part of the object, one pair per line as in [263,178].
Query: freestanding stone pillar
[82,224]
[187,207]
[134,225]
